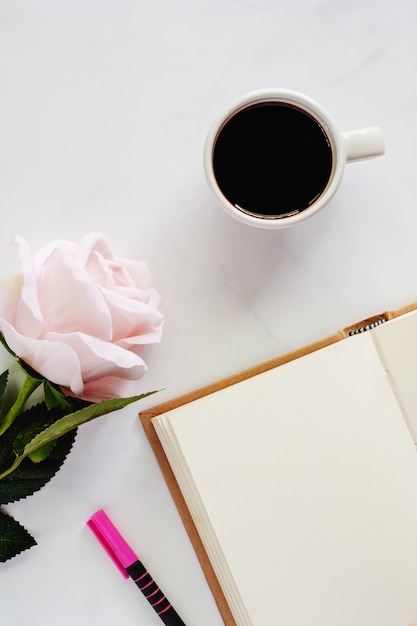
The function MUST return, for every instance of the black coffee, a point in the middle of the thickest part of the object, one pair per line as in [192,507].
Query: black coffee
[272,160]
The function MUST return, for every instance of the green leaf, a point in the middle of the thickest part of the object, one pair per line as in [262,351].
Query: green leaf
[5,346]
[28,387]
[25,427]
[67,423]
[73,420]
[3,384]
[29,371]
[30,477]
[43,452]
[36,419]
[14,539]
[32,422]
[54,397]
[6,449]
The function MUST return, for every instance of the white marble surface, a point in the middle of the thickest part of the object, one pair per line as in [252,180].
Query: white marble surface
[103,113]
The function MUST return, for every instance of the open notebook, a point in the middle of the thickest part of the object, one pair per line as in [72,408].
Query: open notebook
[297,481]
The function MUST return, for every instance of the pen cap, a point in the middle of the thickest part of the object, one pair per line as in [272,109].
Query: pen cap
[112,541]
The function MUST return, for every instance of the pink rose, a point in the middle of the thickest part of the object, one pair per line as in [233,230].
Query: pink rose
[81,317]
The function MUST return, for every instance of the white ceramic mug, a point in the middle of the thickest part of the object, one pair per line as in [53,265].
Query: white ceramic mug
[274,157]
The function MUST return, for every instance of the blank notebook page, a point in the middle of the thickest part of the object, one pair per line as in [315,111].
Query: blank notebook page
[302,482]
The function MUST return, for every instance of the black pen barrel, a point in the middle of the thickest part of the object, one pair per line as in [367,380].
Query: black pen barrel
[154,595]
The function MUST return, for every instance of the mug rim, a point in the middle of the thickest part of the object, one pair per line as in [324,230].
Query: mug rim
[296,99]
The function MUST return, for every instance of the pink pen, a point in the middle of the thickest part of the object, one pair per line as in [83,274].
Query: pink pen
[129,565]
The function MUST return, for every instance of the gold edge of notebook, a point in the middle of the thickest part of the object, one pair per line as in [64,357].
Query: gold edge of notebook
[147,415]
[401,311]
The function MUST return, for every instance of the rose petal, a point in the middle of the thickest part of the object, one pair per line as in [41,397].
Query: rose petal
[93,242]
[55,361]
[100,358]
[109,387]
[139,343]
[130,317]
[108,273]
[29,317]
[81,317]
[64,247]
[70,300]
[139,272]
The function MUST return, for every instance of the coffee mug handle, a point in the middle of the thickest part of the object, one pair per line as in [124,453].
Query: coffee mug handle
[364,143]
